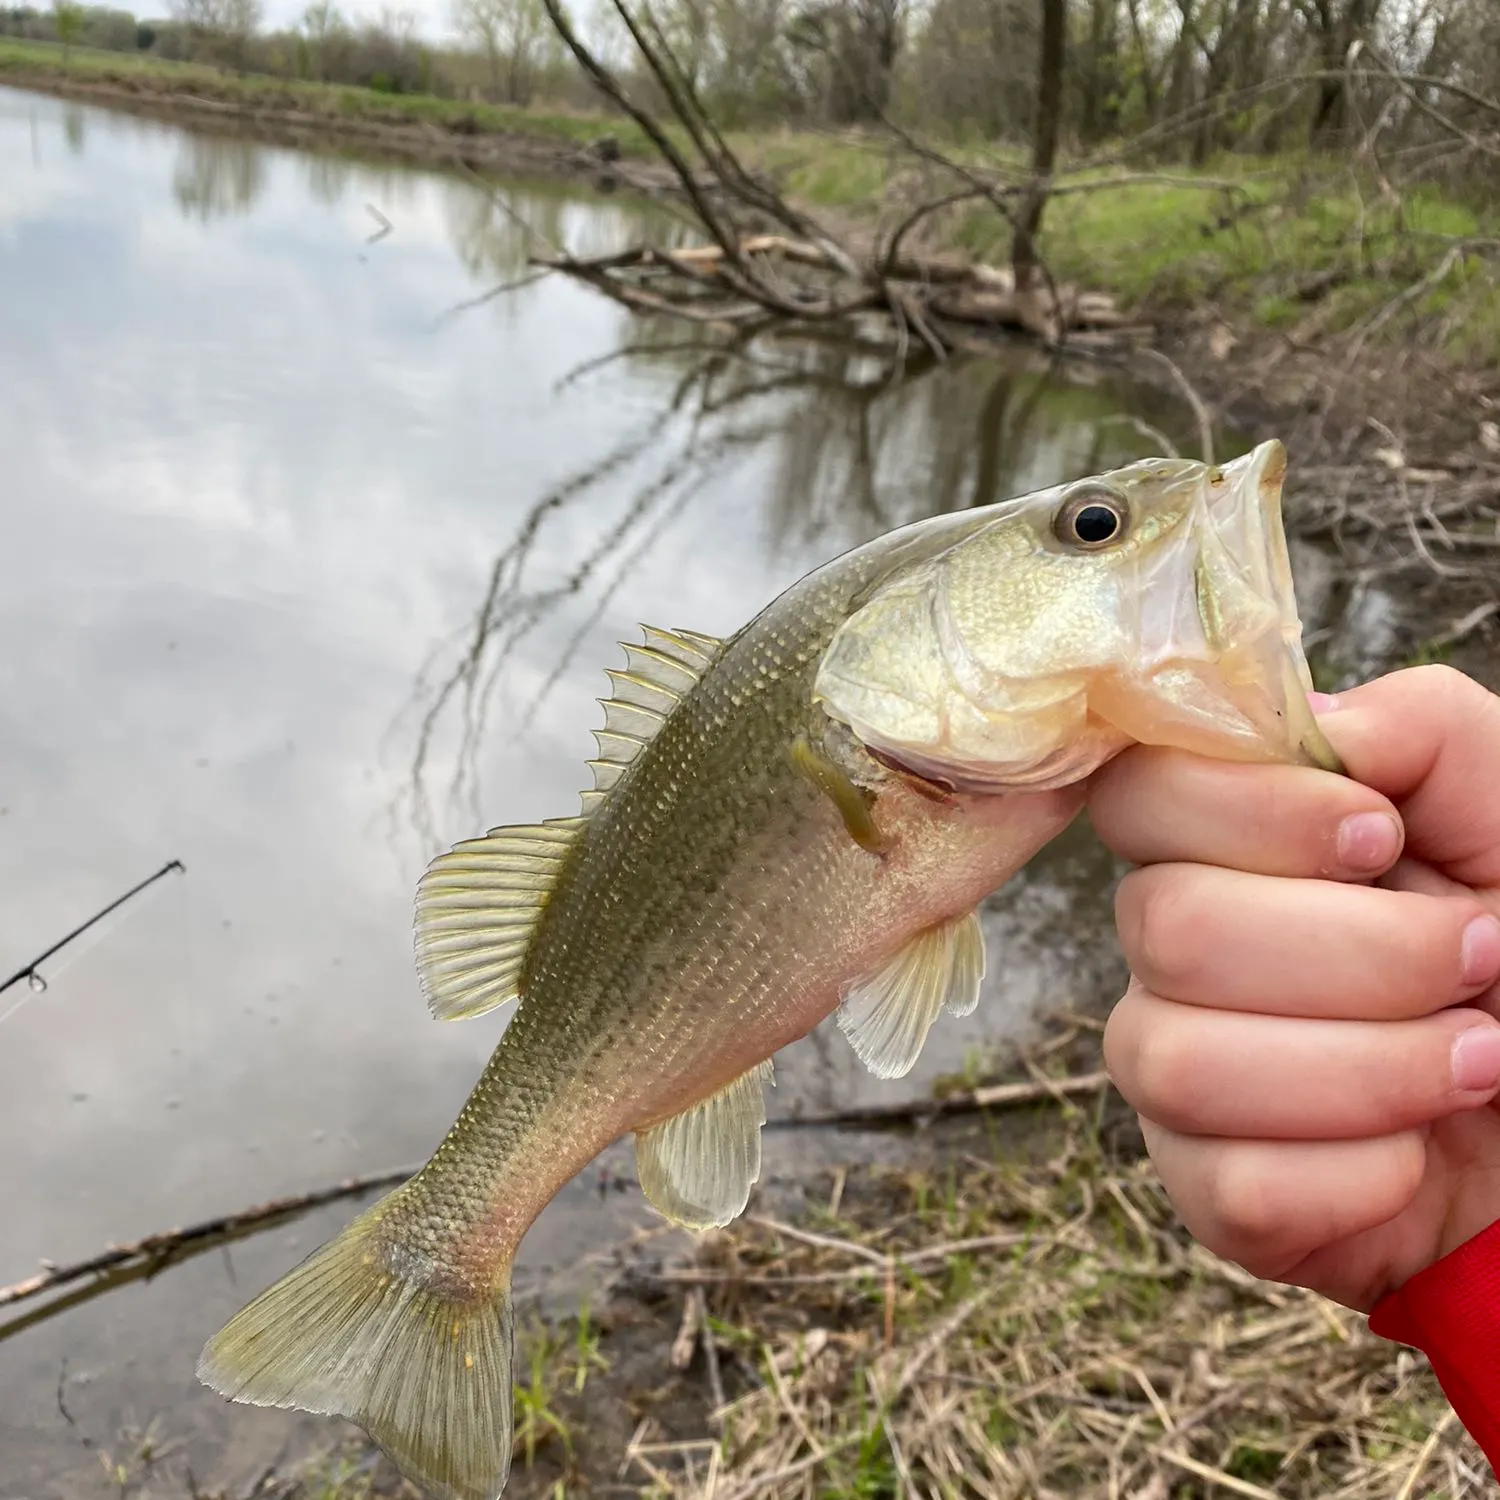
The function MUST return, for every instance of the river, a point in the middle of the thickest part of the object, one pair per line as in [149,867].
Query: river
[313,565]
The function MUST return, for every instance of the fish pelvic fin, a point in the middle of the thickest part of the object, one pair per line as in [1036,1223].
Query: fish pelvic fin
[698,1167]
[426,1373]
[887,1016]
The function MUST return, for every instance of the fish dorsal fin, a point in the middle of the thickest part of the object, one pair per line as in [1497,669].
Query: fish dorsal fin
[477,907]
[887,1016]
[657,676]
[698,1167]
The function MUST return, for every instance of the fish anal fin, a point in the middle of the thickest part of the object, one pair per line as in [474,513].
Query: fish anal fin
[426,1373]
[698,1167]
[477,908]
[887,1016]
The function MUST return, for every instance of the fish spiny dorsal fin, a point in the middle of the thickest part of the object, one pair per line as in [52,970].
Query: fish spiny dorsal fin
[477,907]
[887,1016]
[657,676]
[698,1167]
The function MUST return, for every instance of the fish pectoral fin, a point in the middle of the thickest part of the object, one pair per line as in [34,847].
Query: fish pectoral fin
[477,907]
[887,1016]
[841,791]
[698,1167]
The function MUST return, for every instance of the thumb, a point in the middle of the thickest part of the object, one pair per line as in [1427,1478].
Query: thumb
[1429,739]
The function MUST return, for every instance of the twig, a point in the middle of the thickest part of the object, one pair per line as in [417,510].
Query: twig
[1201,413]
[710,1357]
[1217,1476]
[818,1241]
[1424,1457]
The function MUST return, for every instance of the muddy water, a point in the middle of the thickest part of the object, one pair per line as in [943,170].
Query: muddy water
[312,568]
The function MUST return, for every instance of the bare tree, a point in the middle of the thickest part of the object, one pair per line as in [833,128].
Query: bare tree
[220,29]
[858,41]
[324,30]
[511,36]
[1025,260]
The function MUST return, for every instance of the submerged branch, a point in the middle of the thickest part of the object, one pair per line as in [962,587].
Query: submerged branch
[140,1260]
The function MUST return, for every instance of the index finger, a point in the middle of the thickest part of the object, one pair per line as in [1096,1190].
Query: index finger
[1429,739]
[1154,806]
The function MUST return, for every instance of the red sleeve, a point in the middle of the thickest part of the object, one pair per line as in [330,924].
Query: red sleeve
[1451,1312]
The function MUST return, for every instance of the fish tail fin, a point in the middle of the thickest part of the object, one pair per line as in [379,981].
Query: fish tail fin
[357,1331]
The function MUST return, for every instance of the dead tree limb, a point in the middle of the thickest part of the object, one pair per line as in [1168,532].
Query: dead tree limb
[140,1259]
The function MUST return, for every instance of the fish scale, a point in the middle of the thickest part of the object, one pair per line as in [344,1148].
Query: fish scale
[799,820]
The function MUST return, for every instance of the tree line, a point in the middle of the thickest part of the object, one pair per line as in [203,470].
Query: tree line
[1190,77]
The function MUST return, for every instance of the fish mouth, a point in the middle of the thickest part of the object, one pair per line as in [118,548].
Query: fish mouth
[1226,674]
[1266,674]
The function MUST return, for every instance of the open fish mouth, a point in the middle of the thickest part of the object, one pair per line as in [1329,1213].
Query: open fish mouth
[1224,669]
[1267,675]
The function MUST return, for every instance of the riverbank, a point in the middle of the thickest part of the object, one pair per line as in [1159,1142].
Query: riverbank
[417,128]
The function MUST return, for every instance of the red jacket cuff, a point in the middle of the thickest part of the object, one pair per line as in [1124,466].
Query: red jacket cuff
[1451,1312]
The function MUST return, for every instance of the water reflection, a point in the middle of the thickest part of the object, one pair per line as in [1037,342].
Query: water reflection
[850,445]
[215,179]
[75,129]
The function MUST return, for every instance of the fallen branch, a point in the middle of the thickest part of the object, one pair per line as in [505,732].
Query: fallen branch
[714,283]
[996,1096]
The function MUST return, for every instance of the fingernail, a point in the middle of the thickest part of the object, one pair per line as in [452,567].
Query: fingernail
[1323,703]
[1368,841]
[1481,951]
[1476,1060]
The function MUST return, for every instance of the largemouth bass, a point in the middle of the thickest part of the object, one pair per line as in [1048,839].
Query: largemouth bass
[798,819]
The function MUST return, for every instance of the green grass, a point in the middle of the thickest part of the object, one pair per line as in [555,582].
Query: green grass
[1294,242]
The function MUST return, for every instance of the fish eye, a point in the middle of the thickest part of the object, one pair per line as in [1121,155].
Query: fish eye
[1093,516]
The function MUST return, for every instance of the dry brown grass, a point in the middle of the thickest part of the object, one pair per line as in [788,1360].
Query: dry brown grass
[1036,1329]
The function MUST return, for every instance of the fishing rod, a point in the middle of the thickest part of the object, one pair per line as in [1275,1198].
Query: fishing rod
[30,970]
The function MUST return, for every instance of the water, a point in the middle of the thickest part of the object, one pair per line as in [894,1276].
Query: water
[310,571]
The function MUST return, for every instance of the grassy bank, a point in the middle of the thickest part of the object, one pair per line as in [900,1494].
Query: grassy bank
[1298,243]
[342,111]
[1026,1322]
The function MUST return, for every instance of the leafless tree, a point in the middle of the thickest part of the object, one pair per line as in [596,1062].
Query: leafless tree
[511,35]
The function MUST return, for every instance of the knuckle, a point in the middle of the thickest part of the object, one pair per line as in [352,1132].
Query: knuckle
[1445,682]
[1431,929]
[1155,1068]
[1242,1202]
[1159,925]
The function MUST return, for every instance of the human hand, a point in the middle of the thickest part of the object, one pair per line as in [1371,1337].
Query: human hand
[1316,1060]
